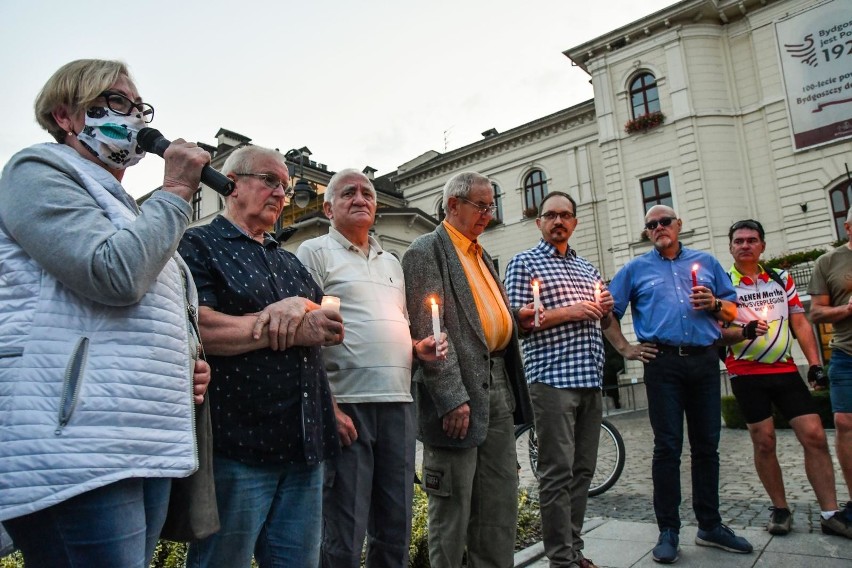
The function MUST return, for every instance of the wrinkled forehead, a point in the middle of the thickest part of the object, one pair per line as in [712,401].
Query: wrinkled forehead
[745,234]
[356,181]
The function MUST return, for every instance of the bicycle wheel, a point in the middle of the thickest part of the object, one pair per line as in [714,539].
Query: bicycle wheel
[611,459]
[526,445]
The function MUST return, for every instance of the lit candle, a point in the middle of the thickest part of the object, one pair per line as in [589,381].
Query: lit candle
[598,300]
[694,275]
[536,301]
[436,324]
[331,303]
[764,312]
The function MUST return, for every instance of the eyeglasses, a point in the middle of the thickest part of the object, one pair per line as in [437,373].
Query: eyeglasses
[119,104]
[664,222]
[271,181]
[483,209]
[552,215]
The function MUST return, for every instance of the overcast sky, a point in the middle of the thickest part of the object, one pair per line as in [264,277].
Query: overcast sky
[370,82]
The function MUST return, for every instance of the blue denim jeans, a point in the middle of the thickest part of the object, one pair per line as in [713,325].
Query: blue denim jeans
[273,511]
[115,525]
[840,377]
[676,386]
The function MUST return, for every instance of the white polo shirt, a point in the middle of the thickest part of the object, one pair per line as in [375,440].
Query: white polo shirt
[373,364]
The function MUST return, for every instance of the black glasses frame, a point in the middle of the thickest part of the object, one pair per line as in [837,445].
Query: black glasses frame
[552,215]
[121,103]
[665,222]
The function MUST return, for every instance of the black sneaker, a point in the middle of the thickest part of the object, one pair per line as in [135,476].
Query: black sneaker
[837,524]
[780,521]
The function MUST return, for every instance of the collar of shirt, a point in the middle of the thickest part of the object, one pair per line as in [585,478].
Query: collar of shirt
[461,242]
[347,244]
[230,230]
[736,276]
[548,249]
[677,256]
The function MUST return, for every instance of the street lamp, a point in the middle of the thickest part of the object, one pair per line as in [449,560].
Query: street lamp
[303,191]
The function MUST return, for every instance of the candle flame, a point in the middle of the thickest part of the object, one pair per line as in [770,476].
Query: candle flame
[597,286]
[535,282]
[434,303]
[695,267]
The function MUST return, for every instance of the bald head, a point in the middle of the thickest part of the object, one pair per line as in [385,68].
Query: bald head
[660,210]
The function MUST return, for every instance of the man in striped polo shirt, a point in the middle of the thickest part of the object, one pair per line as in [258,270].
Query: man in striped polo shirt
[769,317]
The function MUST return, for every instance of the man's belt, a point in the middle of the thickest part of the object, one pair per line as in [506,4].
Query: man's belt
[684,350]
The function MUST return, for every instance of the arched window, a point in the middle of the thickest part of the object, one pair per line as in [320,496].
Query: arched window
[644,97]
[841,200]
[535,188]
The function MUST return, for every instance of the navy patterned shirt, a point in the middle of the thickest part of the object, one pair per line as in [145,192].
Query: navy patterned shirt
[267,407]
[569,355]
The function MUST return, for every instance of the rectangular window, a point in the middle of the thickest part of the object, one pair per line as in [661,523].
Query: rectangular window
[656,190]
[196,205]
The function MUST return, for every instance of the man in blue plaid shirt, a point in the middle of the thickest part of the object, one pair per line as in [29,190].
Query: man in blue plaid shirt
[563,362]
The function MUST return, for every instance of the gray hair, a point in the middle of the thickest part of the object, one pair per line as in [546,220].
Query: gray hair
[242,159]
[459,186]
[337,179]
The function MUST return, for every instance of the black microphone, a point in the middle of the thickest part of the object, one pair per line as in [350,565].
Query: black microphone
[151,140]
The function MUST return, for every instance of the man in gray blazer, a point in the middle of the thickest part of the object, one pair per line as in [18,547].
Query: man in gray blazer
[467,404]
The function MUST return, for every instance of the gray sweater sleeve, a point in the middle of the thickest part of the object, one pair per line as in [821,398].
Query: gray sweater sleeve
[60,226]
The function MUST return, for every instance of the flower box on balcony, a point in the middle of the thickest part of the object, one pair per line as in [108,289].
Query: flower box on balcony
[644,122]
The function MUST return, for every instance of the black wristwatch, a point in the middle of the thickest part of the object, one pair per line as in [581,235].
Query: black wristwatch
[717,307]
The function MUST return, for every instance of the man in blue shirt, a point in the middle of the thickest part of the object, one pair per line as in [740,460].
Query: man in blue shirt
[563,362]
[678,297]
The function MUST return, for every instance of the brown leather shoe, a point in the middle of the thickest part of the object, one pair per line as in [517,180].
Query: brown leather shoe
[586,563]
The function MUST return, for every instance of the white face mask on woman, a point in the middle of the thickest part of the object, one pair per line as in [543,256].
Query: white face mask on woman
[112,137]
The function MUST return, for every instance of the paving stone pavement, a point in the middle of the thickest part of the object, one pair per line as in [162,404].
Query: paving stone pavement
[742,500]
[620,528]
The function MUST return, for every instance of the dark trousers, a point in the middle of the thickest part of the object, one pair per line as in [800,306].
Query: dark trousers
[676,386]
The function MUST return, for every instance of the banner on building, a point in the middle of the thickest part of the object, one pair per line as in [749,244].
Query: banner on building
[815,48]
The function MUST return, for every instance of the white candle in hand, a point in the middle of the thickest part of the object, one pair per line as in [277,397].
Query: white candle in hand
[536,301]
[598,299]
[331,303]
[436,325]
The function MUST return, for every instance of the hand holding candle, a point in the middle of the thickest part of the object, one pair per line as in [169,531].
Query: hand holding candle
[436,324]
[536,302]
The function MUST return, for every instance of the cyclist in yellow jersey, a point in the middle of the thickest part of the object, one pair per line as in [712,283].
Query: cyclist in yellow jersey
[763,372]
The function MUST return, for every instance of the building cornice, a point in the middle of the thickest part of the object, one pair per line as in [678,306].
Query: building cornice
[686,13]
[550,125]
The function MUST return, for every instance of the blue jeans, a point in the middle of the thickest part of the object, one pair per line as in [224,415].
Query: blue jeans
[840,381]
[273,511]
[676,386]
[115,525]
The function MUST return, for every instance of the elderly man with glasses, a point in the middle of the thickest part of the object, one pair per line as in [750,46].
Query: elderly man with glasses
[271,407]
[769,316]
[678,297]
[468,403]
[563,362]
